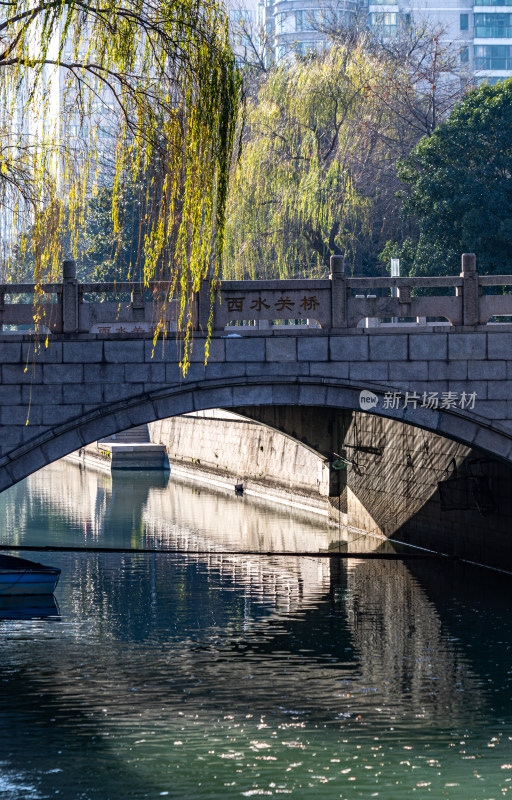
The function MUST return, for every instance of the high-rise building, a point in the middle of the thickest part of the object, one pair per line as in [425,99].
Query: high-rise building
[481,31]
[298,26]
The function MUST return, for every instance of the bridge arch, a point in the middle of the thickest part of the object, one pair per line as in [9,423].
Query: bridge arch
[37,451]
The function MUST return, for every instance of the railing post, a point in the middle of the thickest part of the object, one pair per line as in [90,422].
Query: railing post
[69,297]
[137,303]
[203,306]
[470,293]
[338,292]
[404,299]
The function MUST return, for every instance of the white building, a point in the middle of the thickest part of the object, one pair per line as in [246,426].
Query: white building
[480,29]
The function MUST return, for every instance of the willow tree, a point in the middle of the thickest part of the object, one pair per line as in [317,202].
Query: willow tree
[296,196]
[137,91]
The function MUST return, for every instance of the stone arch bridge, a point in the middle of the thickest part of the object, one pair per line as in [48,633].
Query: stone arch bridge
[100,372]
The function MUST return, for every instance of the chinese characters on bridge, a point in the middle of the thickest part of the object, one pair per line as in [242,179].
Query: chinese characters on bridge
[115,328]
[283,303]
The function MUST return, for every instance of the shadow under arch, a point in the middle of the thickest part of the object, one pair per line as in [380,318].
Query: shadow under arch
[464,427]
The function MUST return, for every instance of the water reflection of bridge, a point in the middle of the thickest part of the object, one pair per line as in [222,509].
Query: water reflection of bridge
[363,624]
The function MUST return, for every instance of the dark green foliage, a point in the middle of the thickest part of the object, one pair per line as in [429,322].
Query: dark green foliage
[108,256]
[460,186]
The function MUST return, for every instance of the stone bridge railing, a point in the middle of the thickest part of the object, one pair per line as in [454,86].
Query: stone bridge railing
[336,303]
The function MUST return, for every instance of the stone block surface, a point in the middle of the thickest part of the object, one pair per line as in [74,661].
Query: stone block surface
[499,345]
[18,415]
[447,370]
[124,352]
[408,371]
[330,369]
[388,346]
[494,442]
[168,350]
[372,371]
[12,435]
[349,348]
[141,413]
[27,464]
[487,370]
[145,373]
[285,395]
[279,368]
[245,349]
[12,395]
[174,404]
[63,373]
[97,429]
[419,416]
[491,409]
[41,394]
[499,390]
[340,397]
[42,355]
[429,387]
[314,349]
[457,427]
[469,387]
[223,371]
[217,350]
[217,397]
[61,445]
[57,415]
[113,392]
[10,353]
[312,395]
[174,375]
[467,345]
[281,349]
[30,433]
[428,346]
[82,352]
[81,393]
[252,395]
[33,373]
[103,373]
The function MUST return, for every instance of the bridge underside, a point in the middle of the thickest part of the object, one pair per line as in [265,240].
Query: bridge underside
[36,445]
[402,482]
[79,391]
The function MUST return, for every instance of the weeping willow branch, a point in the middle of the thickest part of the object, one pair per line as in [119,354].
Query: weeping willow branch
[141,92]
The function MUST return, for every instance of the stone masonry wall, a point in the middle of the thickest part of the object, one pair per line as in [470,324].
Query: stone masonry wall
[236,449]
[403,483]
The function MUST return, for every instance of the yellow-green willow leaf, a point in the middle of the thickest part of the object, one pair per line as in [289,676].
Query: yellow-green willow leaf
[149,88]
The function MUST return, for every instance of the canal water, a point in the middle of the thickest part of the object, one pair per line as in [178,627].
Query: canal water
[203,675]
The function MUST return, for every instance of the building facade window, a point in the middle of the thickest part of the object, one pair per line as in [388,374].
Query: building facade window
[464,22]
[308,19]
[493,26]
[492,2]
[385,21]
[305,48]
[464,55]
[493,56]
